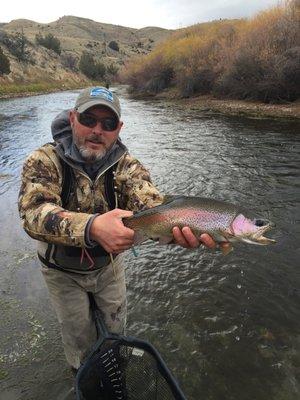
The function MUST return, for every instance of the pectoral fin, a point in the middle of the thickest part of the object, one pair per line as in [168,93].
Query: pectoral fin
[165,240]
[261,240]
[226,249]
[264,240]
[139,237]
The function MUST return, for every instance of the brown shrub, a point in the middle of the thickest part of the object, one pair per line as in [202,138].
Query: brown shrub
[245,59]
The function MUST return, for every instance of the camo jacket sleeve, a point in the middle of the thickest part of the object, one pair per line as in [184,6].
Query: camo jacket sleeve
[134,186]
[42,215]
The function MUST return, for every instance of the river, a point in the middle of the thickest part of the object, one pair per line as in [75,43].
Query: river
[227,326]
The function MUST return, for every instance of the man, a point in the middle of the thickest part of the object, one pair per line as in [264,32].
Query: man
[73,197]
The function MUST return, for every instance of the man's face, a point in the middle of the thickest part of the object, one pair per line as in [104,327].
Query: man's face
[94,142]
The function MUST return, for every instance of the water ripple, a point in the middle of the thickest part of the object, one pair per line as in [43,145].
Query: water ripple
[226,325]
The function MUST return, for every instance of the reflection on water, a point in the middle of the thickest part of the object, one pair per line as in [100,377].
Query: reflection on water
[227,326]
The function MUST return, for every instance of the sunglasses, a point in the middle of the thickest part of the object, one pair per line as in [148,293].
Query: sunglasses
[107,124]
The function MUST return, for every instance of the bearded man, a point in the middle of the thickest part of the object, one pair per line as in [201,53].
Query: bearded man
[73,196]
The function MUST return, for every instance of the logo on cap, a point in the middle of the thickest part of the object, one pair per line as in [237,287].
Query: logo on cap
[101,92]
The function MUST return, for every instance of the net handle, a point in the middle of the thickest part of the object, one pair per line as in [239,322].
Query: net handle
[102,331]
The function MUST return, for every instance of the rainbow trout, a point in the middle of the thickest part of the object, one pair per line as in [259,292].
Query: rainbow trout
[224,222]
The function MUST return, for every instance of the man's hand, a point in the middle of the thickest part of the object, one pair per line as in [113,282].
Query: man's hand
[186,238]
[109,231]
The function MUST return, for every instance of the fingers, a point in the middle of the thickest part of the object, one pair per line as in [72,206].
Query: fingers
[128,233]
[185,237]
[109,231]
[207,241]
[118,247]
[119,213]
[125,232]
[192,240]
[179,238]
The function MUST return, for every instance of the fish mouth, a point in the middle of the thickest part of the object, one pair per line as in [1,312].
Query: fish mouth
[249,230]
[258,237]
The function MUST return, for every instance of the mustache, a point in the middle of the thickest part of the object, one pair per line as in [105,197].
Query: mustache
[95,139]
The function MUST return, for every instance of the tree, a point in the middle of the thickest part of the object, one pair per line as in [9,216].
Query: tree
[99,70]
[112,69]
[49,41]
[90,68]
[69,61]
[16,45]
[87,64]
[4,63]
[114,45]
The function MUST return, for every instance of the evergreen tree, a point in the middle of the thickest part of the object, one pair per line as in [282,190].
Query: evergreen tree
[49,41]
[16,45]
[4,63]
[90,68]
[114,45]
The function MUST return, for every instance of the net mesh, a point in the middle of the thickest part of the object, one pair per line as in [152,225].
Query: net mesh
[123,372]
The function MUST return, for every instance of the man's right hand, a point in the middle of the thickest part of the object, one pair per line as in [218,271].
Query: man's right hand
[109,231]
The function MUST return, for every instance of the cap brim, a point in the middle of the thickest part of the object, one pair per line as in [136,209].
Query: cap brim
[94,103]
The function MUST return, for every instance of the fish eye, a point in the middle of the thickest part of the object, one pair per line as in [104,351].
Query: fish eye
[260,222]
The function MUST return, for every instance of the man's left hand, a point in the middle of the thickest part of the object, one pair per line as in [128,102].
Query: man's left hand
[185,238]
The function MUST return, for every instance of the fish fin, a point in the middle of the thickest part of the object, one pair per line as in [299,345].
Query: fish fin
[226,250]
[262,240]
[168,198]
[165,240]
[139,237]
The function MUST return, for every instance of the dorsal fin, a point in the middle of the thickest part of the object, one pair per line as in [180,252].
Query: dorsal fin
[168,198]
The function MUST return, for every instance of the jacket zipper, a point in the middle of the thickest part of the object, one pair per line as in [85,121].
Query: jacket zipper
[103,172]
[93,183]
[98,176]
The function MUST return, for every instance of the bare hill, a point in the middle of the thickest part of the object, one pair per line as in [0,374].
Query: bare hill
[76,35]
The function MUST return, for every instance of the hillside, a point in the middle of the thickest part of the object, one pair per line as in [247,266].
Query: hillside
[76,35]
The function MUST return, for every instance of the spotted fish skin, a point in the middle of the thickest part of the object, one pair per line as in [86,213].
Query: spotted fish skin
[202,215]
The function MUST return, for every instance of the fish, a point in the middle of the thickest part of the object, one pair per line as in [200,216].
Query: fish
[223,221]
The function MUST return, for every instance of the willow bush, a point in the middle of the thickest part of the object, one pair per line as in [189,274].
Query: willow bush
[246,59]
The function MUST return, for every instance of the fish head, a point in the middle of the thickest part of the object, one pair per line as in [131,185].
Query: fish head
[251,230]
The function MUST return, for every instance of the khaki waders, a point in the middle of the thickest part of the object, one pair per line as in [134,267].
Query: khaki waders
[68,294]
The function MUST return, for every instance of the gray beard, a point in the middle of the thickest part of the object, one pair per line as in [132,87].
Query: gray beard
[90,156]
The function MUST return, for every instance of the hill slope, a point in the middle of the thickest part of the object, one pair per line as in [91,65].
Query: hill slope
[76,35]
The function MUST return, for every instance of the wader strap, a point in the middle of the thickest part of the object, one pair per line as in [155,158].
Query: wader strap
[48,251]
[67,182]
[49,264]
[109,184]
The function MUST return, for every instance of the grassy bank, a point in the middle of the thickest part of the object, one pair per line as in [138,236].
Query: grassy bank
[28,89]
[210,104]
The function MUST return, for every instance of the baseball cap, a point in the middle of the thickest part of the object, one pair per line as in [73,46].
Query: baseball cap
[98,96]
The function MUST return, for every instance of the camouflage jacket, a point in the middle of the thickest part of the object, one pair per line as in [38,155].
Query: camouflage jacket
[56,228]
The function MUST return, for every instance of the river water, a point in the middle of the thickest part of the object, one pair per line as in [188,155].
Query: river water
[228,327]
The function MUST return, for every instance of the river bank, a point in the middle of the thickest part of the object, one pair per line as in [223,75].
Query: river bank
[35,89]
[210,104]
[205,103]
